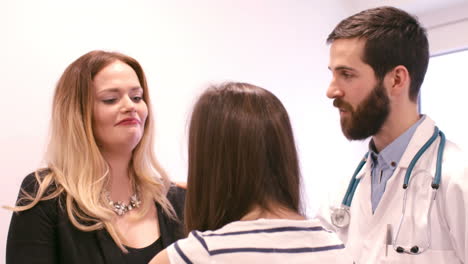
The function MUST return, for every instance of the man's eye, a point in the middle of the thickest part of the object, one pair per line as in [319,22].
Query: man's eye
[346,75]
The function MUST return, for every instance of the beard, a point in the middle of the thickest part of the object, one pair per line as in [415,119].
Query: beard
[368,117]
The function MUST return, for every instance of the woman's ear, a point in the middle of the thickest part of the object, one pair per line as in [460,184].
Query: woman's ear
[397,81]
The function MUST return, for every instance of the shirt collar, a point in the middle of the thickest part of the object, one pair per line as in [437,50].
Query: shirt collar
[392,153]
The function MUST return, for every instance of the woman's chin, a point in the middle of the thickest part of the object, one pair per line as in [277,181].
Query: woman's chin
[122,145]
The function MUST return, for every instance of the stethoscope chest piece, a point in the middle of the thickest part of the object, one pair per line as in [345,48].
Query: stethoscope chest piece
[340,217]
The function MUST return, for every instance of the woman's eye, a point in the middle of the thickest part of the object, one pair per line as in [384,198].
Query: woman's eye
[137,99]
[109,101]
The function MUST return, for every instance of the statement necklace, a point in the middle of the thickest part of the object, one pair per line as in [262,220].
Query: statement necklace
[121,208]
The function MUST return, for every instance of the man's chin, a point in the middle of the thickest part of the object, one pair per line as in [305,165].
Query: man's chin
[353,135]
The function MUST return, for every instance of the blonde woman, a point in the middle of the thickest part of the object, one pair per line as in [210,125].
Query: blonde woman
[103,197]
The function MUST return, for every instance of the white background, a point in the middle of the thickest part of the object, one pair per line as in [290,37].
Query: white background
[183,46]
[444,95]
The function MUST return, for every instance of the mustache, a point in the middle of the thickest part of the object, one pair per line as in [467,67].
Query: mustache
[340,103]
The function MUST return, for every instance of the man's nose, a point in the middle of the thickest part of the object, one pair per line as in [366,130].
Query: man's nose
[334,90]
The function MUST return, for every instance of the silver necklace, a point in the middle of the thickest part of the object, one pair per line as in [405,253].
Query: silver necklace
[121,208]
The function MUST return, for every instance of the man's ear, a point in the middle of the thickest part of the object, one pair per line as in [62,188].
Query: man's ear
[398,81]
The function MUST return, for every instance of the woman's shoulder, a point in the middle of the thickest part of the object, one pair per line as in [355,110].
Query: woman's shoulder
[31,184]
[32,181]
[271,233]
[171,227]
[176,196]
[27,206]
[280,229]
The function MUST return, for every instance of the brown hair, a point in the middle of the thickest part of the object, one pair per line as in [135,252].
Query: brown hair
[75,166]
[241,154]
[393,37]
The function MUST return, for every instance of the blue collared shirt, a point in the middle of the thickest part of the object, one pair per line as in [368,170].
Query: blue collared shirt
[385,162]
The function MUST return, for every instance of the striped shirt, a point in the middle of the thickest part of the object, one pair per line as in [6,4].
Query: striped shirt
[261,241]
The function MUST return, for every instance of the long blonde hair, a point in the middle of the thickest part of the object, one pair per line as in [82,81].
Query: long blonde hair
[75,166]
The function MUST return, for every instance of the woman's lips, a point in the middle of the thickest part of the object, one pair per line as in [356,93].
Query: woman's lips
[128,121]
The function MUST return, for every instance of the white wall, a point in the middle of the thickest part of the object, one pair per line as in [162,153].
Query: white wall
[444,90]
[413,6]
[182,46]
[447,28]
[444,95]
[446,21]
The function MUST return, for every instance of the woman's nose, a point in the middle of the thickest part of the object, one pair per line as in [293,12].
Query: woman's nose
[128,105]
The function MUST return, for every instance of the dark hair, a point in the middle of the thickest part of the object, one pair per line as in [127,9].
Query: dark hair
[393,37]
[241,154]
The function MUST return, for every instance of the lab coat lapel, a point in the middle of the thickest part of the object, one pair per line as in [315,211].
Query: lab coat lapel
[420,137]
[393,195]
[363,193]
[391,192]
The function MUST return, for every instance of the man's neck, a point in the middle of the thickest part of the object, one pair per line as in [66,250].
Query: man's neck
[396,124]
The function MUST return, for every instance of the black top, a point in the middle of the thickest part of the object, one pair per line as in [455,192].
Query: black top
[44,234]
[143,255]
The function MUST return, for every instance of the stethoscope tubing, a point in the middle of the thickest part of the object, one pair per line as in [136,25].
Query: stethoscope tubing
[348,198]
[421,151]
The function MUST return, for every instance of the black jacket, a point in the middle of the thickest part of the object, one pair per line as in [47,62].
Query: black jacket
[44,233]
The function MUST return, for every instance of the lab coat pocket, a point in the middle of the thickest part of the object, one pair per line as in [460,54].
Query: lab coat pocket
[429,256]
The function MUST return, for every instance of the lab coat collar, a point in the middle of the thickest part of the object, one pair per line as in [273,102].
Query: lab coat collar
[366,168]
[422,134]
[420,137]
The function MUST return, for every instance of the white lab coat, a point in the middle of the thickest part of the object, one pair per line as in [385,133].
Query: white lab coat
[366,236]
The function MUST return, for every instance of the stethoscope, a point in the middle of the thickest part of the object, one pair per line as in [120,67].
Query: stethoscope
[340,217]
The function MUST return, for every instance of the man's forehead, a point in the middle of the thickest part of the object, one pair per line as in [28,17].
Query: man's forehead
[346,53]
[348,47]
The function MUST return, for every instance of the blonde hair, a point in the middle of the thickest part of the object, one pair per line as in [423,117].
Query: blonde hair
[76,167]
